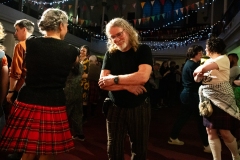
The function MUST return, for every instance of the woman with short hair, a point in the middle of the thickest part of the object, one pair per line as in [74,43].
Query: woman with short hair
[214,74]
[38,123]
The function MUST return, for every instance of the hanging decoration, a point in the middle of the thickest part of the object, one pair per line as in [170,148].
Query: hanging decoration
[142,4]
[162,2]
[197,4]
[202,1]
[193,6]
[139,21]
[176,11]
[181,9]
[82,21]
[189,36]
[134,5]
[134,21]
[153,17]
[84,8]
[152,2]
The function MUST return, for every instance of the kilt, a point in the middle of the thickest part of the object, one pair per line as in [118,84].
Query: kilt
[221,120]
[37,129]
[94,90]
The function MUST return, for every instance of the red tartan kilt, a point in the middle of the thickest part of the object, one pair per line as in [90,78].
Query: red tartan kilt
[37,129]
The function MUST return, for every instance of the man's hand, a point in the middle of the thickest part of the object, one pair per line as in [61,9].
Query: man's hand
[106,81]
[136,89]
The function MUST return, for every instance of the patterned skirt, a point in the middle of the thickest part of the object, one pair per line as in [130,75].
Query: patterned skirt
[37,129]
[221,120]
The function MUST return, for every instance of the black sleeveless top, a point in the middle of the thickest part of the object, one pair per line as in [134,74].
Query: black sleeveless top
[48,62]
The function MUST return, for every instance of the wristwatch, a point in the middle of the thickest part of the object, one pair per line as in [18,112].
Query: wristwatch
[116,79]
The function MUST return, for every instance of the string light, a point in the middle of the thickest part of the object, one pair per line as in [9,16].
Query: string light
[50,3]
[167,44]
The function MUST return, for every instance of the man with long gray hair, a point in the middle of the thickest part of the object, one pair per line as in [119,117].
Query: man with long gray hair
[126,69]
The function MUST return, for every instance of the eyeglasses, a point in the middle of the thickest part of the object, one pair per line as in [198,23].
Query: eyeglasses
[118,35]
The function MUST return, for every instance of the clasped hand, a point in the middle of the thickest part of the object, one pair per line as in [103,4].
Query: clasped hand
[106,81]
[109,81]
[136,89]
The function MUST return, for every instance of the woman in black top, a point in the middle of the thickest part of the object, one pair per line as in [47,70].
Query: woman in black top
[190,99]
[38,122]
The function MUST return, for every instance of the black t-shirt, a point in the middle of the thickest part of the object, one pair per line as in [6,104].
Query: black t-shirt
[187,76]
[120,63]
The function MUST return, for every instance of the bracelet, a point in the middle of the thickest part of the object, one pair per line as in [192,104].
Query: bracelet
[10,91]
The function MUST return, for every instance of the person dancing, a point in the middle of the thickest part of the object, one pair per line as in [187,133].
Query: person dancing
[214,74]
[38,124]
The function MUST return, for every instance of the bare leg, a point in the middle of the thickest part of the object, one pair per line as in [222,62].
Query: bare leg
[227,136]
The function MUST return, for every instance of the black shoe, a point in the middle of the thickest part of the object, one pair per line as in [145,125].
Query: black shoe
[15,156]
[79,137]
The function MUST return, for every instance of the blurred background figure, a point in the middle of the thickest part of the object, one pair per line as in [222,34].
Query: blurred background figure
[155,90]
[73,92]
[234,68]
[3,79]
[84,53]
[94,89]
[23,30]
[171,83]
[163,84]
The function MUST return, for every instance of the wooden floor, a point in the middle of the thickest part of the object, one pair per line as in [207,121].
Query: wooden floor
[94,146]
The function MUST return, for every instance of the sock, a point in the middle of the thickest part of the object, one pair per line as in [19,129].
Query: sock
[216,148]
[234,149]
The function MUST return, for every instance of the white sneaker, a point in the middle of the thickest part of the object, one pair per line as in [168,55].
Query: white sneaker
[175,141]
[207,149]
